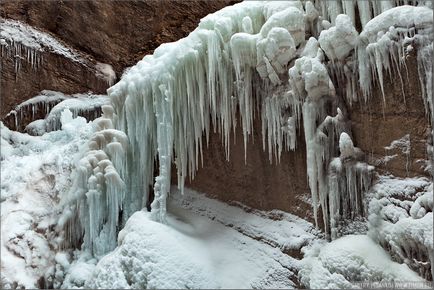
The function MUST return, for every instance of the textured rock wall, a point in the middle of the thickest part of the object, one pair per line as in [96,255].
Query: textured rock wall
[376,125]
[256,182]
[116,32]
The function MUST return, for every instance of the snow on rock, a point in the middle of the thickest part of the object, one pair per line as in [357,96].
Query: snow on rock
[351,260]
[23,42]
[401,220]
[106,71]
[338,41]
[35,171]
[276,228]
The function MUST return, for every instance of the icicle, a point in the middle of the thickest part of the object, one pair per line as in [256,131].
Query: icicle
[99,190]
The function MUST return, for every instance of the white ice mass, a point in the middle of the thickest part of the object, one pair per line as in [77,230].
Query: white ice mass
[298,66]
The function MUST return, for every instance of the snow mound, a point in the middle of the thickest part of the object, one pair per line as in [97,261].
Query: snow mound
[349,261]
[152,255]
[401,221]
[205,244]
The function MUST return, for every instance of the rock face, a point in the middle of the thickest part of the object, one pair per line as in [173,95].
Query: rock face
[116,32]
[377,124]
[255,182]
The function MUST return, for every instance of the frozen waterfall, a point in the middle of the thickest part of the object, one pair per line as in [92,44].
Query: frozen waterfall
[279,61]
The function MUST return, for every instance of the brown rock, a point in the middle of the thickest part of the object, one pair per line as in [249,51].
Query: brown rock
[377,124]
[57,73]
[256,182]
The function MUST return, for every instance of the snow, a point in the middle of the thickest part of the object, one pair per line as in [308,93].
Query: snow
[106,71]
[401,220]
[204,244]
[346,146]
[349,260]
[35,171]
[338,41]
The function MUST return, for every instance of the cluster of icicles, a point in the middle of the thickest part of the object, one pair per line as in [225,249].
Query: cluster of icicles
[20,53]
[245,61]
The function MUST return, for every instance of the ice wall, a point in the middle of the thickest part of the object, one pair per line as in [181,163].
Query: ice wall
[297,65]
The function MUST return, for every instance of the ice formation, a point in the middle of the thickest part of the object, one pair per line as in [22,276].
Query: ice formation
[244,61]
[349,261]
[51,104]
[35,172]
[349,178]
[22,42]
[401,221]
[96,196]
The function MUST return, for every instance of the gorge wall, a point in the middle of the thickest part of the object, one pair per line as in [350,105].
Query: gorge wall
[120,33]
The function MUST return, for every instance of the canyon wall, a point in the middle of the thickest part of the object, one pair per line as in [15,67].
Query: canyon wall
[120,33]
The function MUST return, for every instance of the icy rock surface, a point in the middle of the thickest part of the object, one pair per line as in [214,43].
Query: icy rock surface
[22,42]
[79,104]
[51,104]
[29,199]
[348,260]
[401,220]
